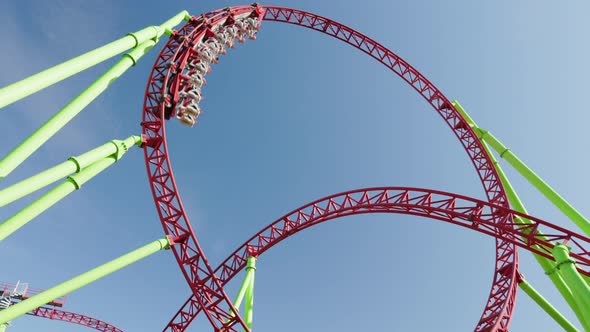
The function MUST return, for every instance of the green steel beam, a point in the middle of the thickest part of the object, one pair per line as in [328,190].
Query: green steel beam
[241,292]
[84,279]
[72,165]
[505,153]
[545,305]
[554,197]
[566,267]
[546,264]
[246,292]
[53,196]
[518,205]
[3,327]
[249,297]
[61,118]
[48,77]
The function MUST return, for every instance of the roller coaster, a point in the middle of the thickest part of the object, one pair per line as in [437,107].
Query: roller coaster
[174,93]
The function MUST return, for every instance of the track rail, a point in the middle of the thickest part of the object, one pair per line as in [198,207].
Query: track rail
[471,213]
[203,282]
[72,317]
[188,253]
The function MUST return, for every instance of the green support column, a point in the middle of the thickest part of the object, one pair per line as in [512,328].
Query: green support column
[517,205]
[84,279]
[566,267]
[48,77]
[249,297]
[545,305]
[546,264]
[61,118]
[3,327]
[554,197]
[53,196]
[247,292]
[242,292]
[72,165]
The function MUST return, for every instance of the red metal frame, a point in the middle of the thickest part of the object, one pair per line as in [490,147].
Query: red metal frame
[197,271]
[464,211]
[71,317]
[188,253]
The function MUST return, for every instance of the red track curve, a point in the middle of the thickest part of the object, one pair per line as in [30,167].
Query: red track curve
[471,213]
[197,271]
[72,317]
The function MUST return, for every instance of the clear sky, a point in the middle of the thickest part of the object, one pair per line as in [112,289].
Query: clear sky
[289,118]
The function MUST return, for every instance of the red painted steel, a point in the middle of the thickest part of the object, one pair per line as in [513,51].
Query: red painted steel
[71,317]
[464,211]
[198,273]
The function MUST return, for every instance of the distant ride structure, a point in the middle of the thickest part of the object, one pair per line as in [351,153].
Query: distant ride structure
[175,91]
[20,291]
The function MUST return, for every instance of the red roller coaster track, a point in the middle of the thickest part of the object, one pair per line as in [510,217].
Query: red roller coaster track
[464,211]
[72,317]
[205,285]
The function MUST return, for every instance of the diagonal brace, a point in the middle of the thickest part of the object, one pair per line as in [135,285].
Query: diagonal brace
[81,280]
[72,165]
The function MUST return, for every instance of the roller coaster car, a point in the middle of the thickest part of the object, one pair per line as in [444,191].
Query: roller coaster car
[193,94]
[187,120]
[168,111]
[200,67]
[192,109]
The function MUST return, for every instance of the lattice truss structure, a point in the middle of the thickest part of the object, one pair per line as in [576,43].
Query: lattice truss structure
[175,91]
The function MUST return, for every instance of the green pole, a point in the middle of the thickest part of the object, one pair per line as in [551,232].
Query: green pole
[566,267]
[249,297]
[84,279]
[545,305]
[48,77]
[3,327]
[53,196]
[554,197]
[241,292]
[72,165]
[505,153]
[518,205]
[546,264]
[61,118]
[246,283]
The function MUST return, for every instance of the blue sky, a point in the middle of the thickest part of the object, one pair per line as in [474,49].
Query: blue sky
[289,118]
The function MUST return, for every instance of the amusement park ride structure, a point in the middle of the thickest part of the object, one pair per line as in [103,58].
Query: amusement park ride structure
[174,91]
